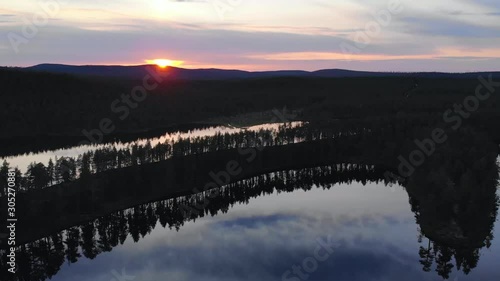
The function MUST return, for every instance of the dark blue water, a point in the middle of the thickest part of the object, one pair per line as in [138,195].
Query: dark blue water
[349,232]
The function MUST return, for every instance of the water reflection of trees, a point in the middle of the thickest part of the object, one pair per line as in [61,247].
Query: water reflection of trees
[453,196]
[43,258]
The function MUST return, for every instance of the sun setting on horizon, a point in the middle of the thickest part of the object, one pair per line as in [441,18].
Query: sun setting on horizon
[163,63]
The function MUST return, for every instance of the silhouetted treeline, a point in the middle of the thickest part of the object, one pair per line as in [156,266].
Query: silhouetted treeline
[64,169]
[52,104]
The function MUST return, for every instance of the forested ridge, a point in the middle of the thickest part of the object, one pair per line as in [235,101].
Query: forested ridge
[38,103]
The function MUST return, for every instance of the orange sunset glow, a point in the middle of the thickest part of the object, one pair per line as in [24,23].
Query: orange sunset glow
[163,63]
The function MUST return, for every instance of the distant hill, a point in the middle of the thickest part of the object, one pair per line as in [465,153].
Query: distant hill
[139,71]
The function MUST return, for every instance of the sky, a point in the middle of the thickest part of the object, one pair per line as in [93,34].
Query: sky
[376,35]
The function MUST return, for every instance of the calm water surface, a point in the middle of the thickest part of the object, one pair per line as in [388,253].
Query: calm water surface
[22,161]
[373,227]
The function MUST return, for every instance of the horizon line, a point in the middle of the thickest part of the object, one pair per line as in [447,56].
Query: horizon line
[250,71]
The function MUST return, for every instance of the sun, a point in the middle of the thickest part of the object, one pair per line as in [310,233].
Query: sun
[163,63]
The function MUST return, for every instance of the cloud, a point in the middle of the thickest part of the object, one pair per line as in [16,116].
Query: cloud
[486,3]
[464,13]
[258,247]
[254,37]
[192,1]
[262,240]
[449,28]
[257,221]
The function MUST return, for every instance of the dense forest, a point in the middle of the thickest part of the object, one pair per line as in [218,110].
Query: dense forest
[64,105]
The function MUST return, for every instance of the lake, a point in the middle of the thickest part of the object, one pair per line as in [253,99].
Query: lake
[300,202]
[372,227]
